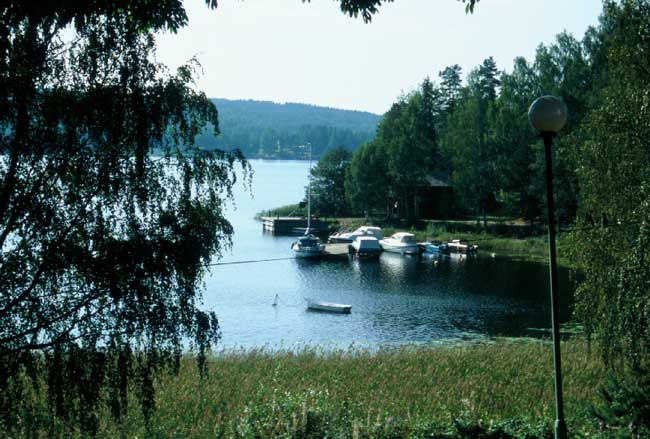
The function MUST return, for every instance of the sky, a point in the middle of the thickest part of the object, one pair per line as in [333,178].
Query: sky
[289,51]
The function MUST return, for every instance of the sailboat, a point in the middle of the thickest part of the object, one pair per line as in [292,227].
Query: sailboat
[308,245]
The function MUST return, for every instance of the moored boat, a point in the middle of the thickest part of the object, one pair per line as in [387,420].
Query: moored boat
[339,308]
[366,247]
[402,242]
[308,245]
[433,248]
[349,237]
[461,246]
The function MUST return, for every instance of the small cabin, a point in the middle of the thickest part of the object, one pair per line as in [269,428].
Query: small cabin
[434,199]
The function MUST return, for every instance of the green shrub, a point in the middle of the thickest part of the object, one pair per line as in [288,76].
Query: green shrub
[624,409]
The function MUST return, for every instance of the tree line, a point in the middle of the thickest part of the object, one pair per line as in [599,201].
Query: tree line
[475,135]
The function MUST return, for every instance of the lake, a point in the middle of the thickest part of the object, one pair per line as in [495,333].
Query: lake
[396,300]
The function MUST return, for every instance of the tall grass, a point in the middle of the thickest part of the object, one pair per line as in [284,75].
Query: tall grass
[398,393]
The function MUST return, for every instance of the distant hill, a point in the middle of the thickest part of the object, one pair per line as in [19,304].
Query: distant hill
[263,129]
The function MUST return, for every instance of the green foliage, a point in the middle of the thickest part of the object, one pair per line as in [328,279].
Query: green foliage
[328,183]
[402,155]
[366,185]
[367,8]
[102,246]
[513,137]
[450,85]
[624,409]
[614,168]
[478,136]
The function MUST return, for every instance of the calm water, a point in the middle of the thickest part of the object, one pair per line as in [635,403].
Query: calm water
[396,300]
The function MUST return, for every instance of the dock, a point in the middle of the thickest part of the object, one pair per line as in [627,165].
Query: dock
[286,225]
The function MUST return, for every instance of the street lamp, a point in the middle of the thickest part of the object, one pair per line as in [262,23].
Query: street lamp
[548,115]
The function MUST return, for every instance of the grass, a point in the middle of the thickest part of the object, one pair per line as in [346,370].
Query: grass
[533,245]
[408,392]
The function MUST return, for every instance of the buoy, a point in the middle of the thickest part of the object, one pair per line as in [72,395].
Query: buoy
[275,301]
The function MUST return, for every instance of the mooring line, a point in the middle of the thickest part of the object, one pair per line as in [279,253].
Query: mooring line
[251,261]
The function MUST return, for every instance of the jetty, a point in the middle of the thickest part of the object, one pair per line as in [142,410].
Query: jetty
[287,225]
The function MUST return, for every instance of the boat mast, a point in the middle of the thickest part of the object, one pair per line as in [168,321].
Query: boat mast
[309,194]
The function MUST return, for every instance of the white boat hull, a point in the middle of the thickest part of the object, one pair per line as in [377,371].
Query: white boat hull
[410,249]
[329,307]
[456,247]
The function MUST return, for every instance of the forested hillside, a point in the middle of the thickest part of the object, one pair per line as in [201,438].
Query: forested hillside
[271,130]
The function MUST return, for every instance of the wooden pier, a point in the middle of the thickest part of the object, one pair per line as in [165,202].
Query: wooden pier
[285,225]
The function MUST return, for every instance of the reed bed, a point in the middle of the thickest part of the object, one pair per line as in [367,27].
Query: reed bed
[409,392]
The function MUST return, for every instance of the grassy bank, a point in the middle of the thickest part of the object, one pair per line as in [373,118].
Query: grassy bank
[534,246]
[405,393]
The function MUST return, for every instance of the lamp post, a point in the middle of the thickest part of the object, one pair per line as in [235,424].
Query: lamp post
[548,115]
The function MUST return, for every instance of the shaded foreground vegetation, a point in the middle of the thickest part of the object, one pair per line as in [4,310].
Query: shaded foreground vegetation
[410,392]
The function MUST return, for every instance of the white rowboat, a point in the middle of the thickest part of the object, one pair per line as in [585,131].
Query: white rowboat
[328,307]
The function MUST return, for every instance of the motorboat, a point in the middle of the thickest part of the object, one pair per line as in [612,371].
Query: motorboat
[349,237]
[366,247]
[308,245]
[461,246]
[339,308]
[433,248]
[401,242]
